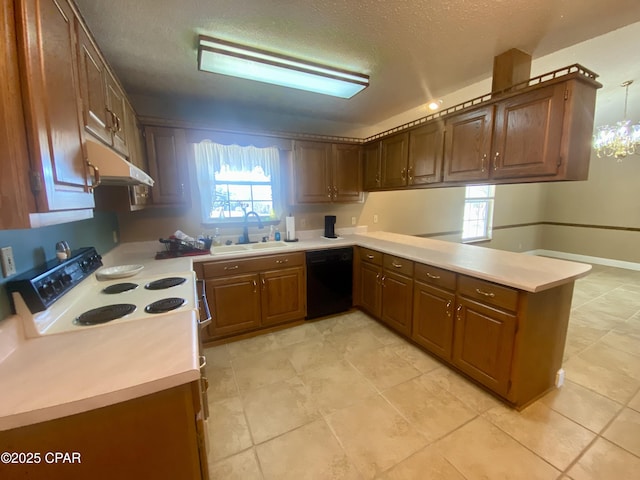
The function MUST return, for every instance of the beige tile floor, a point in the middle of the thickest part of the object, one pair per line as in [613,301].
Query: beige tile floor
[345,398]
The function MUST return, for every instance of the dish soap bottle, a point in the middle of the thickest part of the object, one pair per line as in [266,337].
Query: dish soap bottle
[277,235]
[217,240]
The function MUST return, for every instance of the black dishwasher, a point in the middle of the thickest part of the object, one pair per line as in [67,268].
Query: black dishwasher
[329,281]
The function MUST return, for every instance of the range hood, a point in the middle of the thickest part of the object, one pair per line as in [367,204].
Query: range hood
[114,169]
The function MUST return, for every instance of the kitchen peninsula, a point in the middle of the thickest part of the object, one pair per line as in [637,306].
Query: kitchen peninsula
[500,318]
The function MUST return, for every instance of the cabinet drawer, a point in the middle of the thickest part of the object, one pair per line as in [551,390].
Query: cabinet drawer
[398,265]
[488,292]
[223,268]
[435,276]
[371,256]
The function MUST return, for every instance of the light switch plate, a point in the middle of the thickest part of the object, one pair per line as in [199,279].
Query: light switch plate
[8,263]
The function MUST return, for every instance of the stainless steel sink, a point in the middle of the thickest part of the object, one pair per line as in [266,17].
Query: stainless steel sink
[248,247]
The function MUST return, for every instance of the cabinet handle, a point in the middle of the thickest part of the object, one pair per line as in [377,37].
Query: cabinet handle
[378,179]
[203,361]
[382,281]
[280,262]
[370,257]
[96,176]
[459,312]
[378,279]
[118,124]
[432,276]
[255,286]
[403,174]
[233,267]
[205,383]
[495,161]
[205,305]
[264,284]
[486,294]
[448,307]
[329,192]
[397,265]
[181,190]
[484,159]
[335,192]
[410,172]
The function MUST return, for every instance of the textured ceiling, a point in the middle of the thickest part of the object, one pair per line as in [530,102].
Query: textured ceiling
[413,50]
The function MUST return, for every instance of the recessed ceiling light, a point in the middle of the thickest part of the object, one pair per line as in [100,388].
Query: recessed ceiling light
[227,58]
[434,104]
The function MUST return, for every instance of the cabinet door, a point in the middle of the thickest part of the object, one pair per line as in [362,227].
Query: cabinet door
[433,319]
[283,295]
[16,200]
[528,134]
[51,99]
[394,161]
[346,173]
[167,155]
[397,301]
[483,343]
[93,90]
[116,103]
[467,145]
[311,172]
[371,166]
[425,154]
[370,288]
[234,303]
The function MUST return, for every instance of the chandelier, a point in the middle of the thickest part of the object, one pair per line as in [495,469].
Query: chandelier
[621,139]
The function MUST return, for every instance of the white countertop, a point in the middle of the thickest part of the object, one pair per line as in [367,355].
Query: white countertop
[524,272]
[64,374]
[59,375]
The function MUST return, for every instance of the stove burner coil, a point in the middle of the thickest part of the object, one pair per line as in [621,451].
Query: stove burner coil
[104,314]
[164,305]
[119,288]
[165,283]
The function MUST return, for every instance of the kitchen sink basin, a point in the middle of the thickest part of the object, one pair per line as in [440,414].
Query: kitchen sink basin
[267,245]
[248,247]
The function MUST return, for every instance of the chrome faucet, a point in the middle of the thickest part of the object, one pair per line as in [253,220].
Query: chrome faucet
[245,228]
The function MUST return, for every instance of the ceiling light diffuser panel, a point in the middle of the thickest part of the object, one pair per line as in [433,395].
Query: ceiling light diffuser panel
[226,58]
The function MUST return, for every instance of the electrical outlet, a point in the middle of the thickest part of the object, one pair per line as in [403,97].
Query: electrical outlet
[353,220]
[375,218]
[8,263]
[115,236]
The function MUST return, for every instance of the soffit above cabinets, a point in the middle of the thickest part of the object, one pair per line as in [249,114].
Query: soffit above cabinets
[413,50]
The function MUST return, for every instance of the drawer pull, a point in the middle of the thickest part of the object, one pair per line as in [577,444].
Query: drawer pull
[370,257]
[234,267]
[397,265]
[432,276]
[486,294]
[280,262]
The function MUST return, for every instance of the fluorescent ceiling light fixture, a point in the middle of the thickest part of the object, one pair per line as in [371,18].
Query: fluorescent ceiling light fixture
[226,58]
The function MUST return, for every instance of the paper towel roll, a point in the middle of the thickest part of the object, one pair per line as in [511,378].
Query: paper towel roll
[290,224]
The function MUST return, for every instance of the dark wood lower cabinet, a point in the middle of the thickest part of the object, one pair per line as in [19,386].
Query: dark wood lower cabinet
[249,294]
[507,340]
[433,319]
[397,299]
[160,436]
[283,295]
[235,304]
[483,345]
[370,293]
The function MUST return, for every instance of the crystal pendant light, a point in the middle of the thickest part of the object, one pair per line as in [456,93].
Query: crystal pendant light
[621,139]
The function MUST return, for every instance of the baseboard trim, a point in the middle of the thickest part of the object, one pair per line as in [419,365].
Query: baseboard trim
[609,262]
